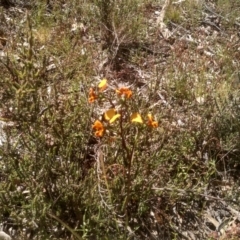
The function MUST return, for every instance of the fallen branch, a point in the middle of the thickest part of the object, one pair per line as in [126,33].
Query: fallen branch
[163,28]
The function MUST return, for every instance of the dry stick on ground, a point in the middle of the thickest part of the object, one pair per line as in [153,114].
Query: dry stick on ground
[2,38]
[73,232]
[163,28]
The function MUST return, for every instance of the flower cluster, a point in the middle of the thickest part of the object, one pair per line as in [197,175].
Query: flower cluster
[111,115]
[92,96]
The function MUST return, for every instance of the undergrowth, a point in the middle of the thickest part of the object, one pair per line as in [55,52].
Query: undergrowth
[92,148]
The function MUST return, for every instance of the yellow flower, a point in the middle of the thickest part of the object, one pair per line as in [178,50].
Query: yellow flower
[136,117]
[151,121]
[124,91]
[111,115]
[99,128]
[102,85]
[91,96]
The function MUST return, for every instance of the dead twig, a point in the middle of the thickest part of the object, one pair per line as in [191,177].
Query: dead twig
[163,28]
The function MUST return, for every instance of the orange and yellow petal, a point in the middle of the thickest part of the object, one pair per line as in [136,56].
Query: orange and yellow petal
[99,133]
[91,99]
[153,124]
[91,96]
[99,128]
[151,121]
[102,85]
[136,117]
[128,94]
[114,118]
[150,117]
[109,114]
[124,91]
[97,125]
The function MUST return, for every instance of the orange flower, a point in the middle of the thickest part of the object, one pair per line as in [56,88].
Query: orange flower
[99,128]
[91,96]
[124,91]
[151,121]
[102,85]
